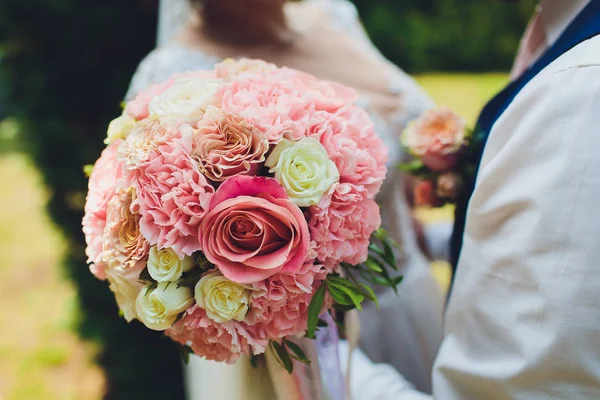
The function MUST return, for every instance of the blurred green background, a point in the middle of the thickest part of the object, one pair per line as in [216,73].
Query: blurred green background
[64,67]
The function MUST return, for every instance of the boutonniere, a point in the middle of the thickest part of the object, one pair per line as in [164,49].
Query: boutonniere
[440,143]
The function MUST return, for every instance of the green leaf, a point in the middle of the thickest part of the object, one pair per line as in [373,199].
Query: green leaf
[373,265]
[314,309]
[370,294]
[87,170]
[376,249]
[283,356]
[339,296]
[339,280]
[356,298]
[145,277]
[413,167]
[298,353]
[203,262]
[189,279]
[185,352]
[150,287]
[341,307]
[253,360]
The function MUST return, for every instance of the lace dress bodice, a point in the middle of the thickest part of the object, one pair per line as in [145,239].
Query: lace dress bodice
[416,315]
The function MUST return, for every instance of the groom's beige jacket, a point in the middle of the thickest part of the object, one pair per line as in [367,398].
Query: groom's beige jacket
[523,320]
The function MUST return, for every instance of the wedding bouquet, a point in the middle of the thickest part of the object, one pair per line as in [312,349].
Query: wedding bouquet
[232,207]
[441,144]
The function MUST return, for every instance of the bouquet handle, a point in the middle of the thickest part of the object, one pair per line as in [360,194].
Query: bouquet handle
[322,379]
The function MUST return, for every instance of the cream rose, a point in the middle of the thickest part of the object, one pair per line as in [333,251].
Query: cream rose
[165,266]
[158,308]
[119,128]
[222,299]
[304,170]
[186,99]
[124,284]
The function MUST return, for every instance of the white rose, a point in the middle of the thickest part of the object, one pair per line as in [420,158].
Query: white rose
[119,128]
[304,170]
[222,299]
[124,284]
[187,99]
[165,266]
[158,308]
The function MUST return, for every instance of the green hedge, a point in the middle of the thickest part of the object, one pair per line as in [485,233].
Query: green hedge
[64,68]
[446,35]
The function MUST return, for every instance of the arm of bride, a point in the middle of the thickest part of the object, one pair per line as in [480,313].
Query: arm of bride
[370,381]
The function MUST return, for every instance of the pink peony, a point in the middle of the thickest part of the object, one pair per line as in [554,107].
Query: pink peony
[253,231]
[172,195]
[226,145]
[342,225]
[214,341]
[123,243]
[102,184]
[436,137]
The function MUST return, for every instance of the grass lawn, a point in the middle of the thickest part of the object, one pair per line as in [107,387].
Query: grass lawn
[40,356]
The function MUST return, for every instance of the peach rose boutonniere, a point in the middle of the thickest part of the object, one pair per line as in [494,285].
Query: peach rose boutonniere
[440,141]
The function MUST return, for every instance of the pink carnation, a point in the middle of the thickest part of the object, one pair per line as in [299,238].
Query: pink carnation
[102,184]
[172,194]
[342,225]
[271,102]
[329,96]
[279,305]
[214,341]
[356,150]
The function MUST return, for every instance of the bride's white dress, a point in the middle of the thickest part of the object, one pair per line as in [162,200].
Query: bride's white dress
[407,329]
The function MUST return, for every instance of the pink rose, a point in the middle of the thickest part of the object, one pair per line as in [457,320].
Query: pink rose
[253,231]
[342,225]
[102,185]
[223,342]
[123,243]
[226,145]
[172,195]
[436,137]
